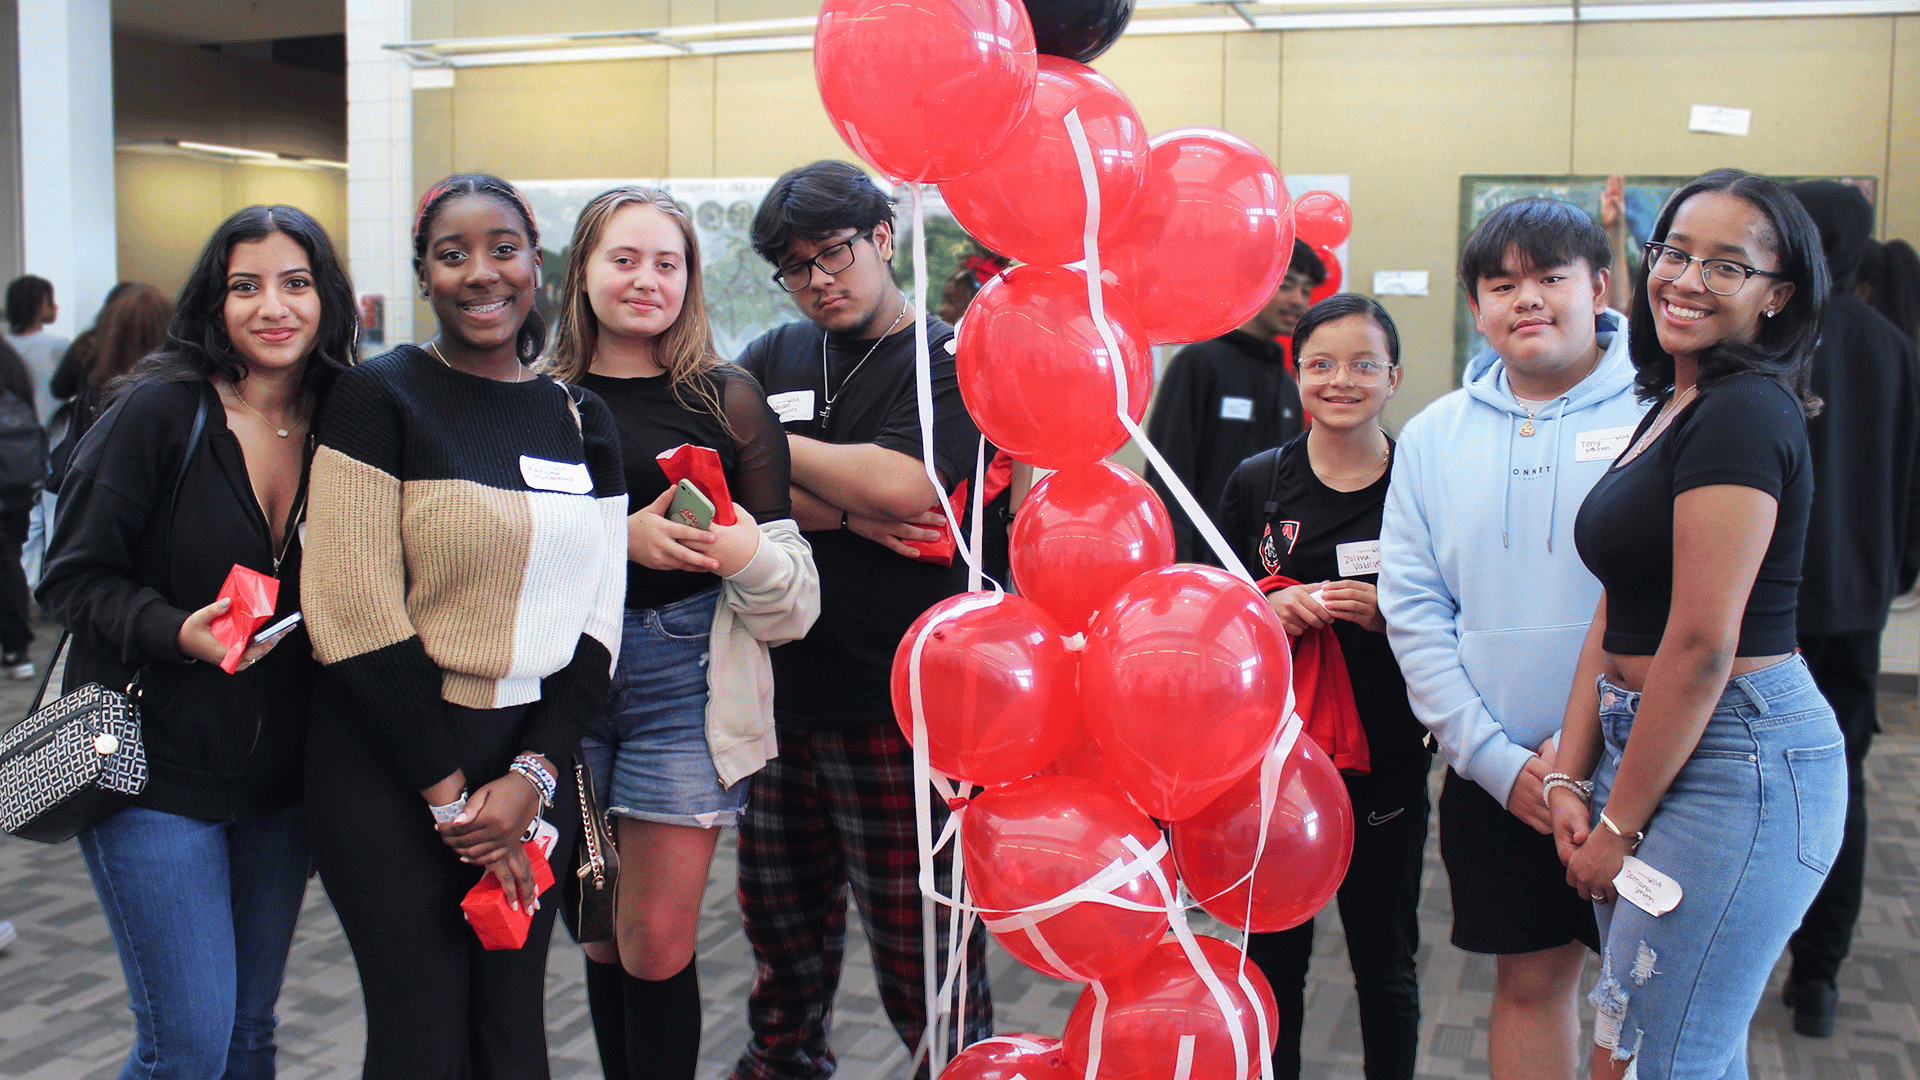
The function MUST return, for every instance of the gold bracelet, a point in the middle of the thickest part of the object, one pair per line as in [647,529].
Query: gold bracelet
[1633,841]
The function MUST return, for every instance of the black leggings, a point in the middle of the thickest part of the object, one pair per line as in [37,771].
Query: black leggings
[439,1007]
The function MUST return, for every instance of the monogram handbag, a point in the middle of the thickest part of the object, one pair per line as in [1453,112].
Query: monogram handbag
[71,764]
[77,761]
[588,894]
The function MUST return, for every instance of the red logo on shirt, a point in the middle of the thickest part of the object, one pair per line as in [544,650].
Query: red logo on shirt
[1269,556]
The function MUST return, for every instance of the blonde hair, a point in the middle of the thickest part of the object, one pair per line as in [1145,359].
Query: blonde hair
[684,349]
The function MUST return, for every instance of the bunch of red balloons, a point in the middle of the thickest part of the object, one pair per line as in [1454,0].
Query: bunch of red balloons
[1118,687]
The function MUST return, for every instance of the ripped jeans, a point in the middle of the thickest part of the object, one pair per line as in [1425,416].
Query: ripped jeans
[1748,829]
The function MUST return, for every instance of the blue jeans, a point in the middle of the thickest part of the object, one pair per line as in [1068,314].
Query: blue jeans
[1748,829]
[202,913]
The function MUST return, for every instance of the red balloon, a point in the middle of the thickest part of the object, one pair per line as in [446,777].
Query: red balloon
[997,686]
[1309,841]
[1151,1008]
[1029,201]
[1323,219]
[1035,839]
[1334,277]
[1081,534]
[1011,1057]
[1183,682]
[1082,758]
[1036,375]
[925,90]
[1209,239]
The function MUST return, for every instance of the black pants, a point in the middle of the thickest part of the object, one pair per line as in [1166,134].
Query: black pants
[16,631]
[1379,907]
[1846,668]
[439,1007]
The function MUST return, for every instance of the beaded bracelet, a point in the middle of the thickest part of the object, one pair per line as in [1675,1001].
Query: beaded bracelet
[1582,789]
[536,774]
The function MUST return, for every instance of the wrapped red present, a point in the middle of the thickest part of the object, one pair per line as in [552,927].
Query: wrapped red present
[493,918]
[941,549]
[701,466]
[1323,694]
[254,595]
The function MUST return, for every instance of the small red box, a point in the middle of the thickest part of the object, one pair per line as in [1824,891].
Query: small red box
[498,925]
[254,595]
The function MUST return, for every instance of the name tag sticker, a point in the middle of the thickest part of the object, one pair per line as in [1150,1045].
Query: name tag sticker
[1236,408]
[543,475]
[792,405]
[1603,444]
[1646,888]
[1358,557]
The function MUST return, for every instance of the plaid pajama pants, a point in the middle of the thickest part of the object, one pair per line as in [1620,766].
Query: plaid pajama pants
[834,810]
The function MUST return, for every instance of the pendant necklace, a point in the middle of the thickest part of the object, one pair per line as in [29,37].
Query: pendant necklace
[283,432]
[827,395]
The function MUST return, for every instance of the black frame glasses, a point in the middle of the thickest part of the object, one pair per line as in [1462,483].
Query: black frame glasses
[1711,270]
[825,260]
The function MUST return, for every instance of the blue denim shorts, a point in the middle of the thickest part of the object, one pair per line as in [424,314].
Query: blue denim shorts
[1749,829]
[648,749]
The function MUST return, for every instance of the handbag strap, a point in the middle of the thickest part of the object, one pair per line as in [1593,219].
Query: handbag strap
[193,443]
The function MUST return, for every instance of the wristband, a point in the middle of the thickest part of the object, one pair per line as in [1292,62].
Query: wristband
[1633,840]
[536,774]
[447,812]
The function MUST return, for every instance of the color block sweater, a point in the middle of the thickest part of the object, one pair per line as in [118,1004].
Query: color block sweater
[466,543]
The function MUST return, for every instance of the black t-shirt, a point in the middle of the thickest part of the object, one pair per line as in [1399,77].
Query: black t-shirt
[1748,430]
[652,420]
[836,677]
[1281,519]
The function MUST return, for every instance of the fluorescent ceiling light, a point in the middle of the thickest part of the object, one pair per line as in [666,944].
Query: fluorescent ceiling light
[229,151]
[238,154]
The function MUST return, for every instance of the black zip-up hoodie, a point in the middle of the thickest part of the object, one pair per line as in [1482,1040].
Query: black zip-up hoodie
[126,568]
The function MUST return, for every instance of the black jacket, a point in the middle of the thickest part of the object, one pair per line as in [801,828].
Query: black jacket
[1863,536]
[126,568]
[1219,403]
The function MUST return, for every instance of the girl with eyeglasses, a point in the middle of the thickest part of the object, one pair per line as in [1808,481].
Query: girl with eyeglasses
[1310,511]
[1702,778]
[689,717]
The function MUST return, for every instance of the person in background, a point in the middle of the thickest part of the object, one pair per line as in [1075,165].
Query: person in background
[23,458]
[199,464]
[1310,511]
[1695,740]
[1862,550]
[30,309]
[132,325]
[835,810]
[1486,601]
[71,375]
[688,719]
[1224,400]
[1889,280]
[464,573]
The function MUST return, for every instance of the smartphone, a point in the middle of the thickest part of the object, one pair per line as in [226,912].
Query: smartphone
[278,628]
[690,506]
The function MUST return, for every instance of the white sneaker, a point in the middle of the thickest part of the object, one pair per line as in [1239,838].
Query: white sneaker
[16,666]
[7,935]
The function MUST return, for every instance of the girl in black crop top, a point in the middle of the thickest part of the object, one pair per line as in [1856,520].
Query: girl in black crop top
[1696,534]
[665,757]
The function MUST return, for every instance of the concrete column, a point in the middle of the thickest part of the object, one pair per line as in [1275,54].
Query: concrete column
[66,153]
[380,162]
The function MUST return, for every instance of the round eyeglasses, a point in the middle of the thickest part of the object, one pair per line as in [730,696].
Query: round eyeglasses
[1721,277]
[1361,371]
[831,260]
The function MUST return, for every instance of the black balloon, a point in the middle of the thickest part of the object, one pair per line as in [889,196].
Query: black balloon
[1078,29]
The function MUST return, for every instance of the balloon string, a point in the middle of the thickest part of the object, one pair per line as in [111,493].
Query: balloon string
[1096,1029]
[1096,304]
[1190,944]
[978,495]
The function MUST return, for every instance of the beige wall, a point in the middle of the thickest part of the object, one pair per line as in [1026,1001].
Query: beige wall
[1405,112]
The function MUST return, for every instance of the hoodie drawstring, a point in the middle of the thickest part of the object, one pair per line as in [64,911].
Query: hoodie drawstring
[1553,497]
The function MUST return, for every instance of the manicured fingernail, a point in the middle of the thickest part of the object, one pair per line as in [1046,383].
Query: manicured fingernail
[514,904]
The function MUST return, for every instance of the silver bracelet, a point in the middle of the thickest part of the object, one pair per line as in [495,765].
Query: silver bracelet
[1633,839]
[449,811]
[1582,790]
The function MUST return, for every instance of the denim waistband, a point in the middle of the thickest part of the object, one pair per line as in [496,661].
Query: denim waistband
[703,598]
[1757,690]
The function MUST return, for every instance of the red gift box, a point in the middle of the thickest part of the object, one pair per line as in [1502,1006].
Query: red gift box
[254,595]
[941,550]
[701,465]
[494,920]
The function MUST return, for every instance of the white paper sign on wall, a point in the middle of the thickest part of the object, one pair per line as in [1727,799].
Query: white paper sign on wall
[1720,120]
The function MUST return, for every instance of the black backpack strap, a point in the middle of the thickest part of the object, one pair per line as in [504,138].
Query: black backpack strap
[1272,504]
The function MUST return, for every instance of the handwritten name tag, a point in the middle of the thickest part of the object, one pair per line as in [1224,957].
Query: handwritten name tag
[1646,888]
[1358,557]
[543,475]
[1603,444]
[792,405]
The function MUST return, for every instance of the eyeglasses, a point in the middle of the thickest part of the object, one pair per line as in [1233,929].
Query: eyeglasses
[1361,371]
[1722,277]
[832,260]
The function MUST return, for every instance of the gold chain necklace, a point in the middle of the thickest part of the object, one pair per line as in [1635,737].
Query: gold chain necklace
[1374,470]
[283,432]
[435,350]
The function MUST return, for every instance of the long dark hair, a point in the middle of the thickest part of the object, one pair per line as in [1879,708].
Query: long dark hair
[1783,349]
[132,325]
[532,339]
[196,345]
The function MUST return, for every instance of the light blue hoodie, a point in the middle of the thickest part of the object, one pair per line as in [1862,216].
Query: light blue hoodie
[1486,600]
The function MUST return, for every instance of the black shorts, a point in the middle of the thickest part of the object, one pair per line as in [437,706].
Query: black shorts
[1510,893]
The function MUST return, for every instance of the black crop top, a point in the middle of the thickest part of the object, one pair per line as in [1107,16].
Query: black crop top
[1748,430]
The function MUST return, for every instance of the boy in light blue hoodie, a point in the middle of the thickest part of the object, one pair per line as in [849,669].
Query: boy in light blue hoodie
[1486,601]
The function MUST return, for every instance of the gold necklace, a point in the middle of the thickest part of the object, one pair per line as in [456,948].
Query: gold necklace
[283,432]
[1661,422]
[1385,456]
[435,350]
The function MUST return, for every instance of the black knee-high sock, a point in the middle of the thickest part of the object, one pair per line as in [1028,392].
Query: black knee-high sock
[606,1003]
[663,1025]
